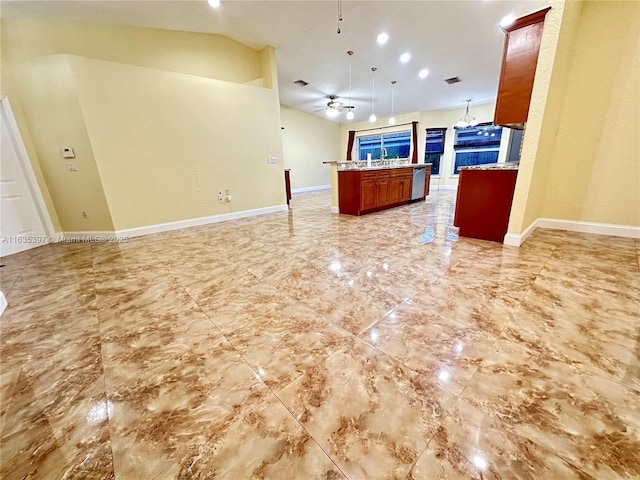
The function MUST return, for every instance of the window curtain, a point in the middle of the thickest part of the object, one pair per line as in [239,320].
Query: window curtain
[352,139]
[414,142]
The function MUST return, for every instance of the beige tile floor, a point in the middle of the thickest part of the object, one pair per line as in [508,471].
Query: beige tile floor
[309,345]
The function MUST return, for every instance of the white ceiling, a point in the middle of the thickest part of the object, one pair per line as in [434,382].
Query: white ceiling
[448,37]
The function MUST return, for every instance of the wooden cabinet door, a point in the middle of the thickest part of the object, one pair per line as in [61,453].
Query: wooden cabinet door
[405,189]
[368,197]
[519,60]
[395,190]
[383,192]
[427,180]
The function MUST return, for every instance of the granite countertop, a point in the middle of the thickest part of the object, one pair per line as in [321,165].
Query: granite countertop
[492,166]
[361,165]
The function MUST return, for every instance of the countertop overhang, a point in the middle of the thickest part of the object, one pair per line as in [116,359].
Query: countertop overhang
[357,165]
[492,166]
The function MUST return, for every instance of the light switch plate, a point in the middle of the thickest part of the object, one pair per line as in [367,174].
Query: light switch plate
[68,152]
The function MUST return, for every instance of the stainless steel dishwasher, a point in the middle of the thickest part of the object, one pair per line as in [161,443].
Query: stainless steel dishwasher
[417,185]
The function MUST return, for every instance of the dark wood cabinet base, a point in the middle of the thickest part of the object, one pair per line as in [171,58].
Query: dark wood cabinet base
[367,191]
[483,203]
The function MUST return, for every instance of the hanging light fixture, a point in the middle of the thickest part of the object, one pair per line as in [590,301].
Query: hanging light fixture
[467,120]
[332,112]
[392,119]
[372,117]
[350,114]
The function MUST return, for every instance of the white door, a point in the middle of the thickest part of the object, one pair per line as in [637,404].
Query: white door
[21,226]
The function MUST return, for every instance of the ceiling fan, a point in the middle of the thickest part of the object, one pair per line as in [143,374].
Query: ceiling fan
[333,106]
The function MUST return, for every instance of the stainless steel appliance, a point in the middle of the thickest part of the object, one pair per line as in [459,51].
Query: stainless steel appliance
[417,185]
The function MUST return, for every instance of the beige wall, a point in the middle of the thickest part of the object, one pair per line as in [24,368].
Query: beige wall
[580,158]
[55,121]
[203,55]
[547,101]
[159,120]
[9,88]
[594,172]
[165,142]
[307,141]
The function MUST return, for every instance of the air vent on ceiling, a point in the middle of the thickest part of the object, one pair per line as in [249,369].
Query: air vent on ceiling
[452,80]
[301,83]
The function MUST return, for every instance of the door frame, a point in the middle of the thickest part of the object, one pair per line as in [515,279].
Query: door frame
[7,116]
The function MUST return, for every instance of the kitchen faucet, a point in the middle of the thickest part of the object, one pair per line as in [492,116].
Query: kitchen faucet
[384,152]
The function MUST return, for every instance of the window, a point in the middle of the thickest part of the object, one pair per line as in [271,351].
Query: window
[434,148]
[476,145]
[390,145]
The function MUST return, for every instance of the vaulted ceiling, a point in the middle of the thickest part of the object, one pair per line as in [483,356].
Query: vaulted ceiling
[448,37]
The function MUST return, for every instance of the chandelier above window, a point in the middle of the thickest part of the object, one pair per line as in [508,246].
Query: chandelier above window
[467,120]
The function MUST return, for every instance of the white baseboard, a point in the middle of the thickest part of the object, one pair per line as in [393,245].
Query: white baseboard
[196,222]
[590,227]
[310,189]
[166,227]
[57,237]
[87,236]
[3,302]
[517,239]
[335,209]
[513,240]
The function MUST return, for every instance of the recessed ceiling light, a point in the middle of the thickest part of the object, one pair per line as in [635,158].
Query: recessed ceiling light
[405,57]
[507,20]
[424,73]
[382,38]
[214,3]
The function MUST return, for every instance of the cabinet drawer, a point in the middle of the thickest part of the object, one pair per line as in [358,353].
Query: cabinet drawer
[367,176]
[401,172]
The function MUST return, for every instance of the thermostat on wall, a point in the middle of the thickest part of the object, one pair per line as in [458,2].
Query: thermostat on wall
[68,153]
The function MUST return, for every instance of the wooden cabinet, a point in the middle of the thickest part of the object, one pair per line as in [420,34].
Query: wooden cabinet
[287,184]
[427,180]
[400,187]
[369,197]
[383,189]
[368,191]
[519,60]
[483,203]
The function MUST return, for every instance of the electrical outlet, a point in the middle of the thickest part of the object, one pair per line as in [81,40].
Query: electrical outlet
[220,196]
[272,160]
[85,214]
[71,167]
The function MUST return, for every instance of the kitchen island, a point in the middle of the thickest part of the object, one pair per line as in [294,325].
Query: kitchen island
[370,187]
[483,204]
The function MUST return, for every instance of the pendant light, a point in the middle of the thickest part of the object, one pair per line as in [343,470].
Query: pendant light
[467,120]
[392,119]
[350,114]
[372,117]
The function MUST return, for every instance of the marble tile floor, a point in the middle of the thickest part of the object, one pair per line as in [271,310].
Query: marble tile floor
[310,345]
